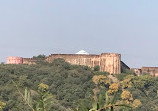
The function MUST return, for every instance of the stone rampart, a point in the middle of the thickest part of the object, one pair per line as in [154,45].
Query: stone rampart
[150,70]
[108,62]
[14,60]
[29,61]
[146,70]
[87,60]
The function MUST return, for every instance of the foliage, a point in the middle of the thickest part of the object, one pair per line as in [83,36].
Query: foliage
[41,56]
[126,70]
[113,88]
[2,105]
[44,98]
[68,84]
[116,97]
[72,87]
[101,80]
[96,68]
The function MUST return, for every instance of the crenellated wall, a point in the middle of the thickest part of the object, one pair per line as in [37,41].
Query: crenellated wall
[108,62]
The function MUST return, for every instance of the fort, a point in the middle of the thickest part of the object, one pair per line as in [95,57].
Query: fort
[108,62]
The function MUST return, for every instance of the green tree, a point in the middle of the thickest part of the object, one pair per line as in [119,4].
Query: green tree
[96,68]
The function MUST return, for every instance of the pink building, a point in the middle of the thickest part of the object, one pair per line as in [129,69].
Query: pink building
[14,60]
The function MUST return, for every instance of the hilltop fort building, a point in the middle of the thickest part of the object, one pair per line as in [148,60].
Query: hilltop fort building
[108,62]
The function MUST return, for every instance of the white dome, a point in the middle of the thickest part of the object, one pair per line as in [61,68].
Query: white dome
[82,52]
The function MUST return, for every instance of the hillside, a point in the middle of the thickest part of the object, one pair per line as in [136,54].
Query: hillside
[70,85]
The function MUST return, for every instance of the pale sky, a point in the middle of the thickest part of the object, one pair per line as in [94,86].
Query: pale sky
[33,27]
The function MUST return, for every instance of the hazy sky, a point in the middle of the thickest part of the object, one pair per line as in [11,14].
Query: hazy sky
[32,27]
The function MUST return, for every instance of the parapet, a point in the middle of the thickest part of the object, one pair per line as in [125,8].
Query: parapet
[111,54]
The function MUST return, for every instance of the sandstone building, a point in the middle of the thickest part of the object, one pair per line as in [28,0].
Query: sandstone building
[109,62]
[14,60]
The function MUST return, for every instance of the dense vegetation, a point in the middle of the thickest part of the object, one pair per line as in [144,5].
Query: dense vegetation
[68,83]
[72,86]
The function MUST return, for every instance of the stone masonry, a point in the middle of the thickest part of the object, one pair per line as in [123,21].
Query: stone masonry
[108,62]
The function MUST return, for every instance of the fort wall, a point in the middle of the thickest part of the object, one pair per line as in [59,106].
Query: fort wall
[29,61]
[108,62]
[87,60]
[150,70]
[146,70]
[14,60]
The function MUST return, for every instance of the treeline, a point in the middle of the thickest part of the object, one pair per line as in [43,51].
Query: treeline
[72,86]
[68,83]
